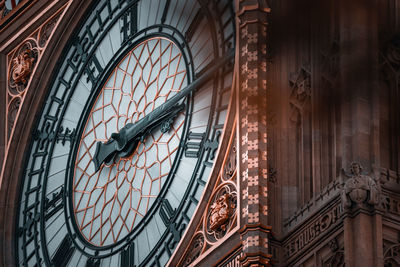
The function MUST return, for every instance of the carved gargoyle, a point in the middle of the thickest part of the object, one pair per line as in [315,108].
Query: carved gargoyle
[220,213]
[22,67]
[360,188]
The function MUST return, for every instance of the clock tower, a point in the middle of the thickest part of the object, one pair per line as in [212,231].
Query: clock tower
[199,133]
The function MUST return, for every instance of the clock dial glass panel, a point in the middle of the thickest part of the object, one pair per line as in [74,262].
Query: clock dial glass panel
[109,203]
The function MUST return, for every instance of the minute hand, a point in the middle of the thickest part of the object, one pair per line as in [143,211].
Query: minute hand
[124,142]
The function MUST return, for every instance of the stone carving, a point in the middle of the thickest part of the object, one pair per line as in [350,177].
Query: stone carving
[333,245]
[22,67]
[301,91]
[220,211]
[391,256]
[12,112]
[312,231]
[47,29]
[359,188]
[195,249]
[337,260]
[230,165]
[21,64]
[392,52]
[337,257]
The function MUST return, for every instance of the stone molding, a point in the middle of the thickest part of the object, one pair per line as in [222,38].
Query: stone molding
[315,205]
[313,229]
[22,63]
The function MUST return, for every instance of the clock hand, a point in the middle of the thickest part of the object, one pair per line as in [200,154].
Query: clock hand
[124,143]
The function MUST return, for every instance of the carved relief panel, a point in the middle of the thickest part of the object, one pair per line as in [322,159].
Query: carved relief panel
[220,216]
[22,62]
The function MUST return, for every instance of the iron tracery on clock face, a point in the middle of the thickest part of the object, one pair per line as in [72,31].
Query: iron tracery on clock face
[110,202]
[127,59]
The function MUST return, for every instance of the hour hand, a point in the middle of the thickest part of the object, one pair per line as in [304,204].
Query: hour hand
[125,142]
[112,150]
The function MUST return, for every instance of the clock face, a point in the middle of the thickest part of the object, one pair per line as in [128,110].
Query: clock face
[110,202]
[149,83]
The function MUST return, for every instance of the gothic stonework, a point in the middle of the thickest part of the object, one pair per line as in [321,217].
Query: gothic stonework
[22,62]
[195,249]
[392,52]
[392,256]
[219,218]
[47,29]
[251,69]
[337,257]
[230,165]
[301,91]
[22,67]
[221,212]
[360,188]
[312,231]
[280,190]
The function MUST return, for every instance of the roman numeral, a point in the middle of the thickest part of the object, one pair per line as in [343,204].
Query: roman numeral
[47,135]
[167,213]
[66,135]
[194,144]
[53,205]
[93,69]
[93,262]
[64,253]
[127,256]
[213,145]
[28,225]
[129,20]
[81,50]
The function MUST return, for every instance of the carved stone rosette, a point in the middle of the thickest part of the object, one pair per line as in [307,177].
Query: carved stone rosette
[22,63]
[221,211]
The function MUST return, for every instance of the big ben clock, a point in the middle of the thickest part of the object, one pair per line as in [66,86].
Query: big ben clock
[128,134]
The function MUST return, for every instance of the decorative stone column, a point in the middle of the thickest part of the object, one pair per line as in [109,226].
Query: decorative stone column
[251,67]
[358,72]
[363,220]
